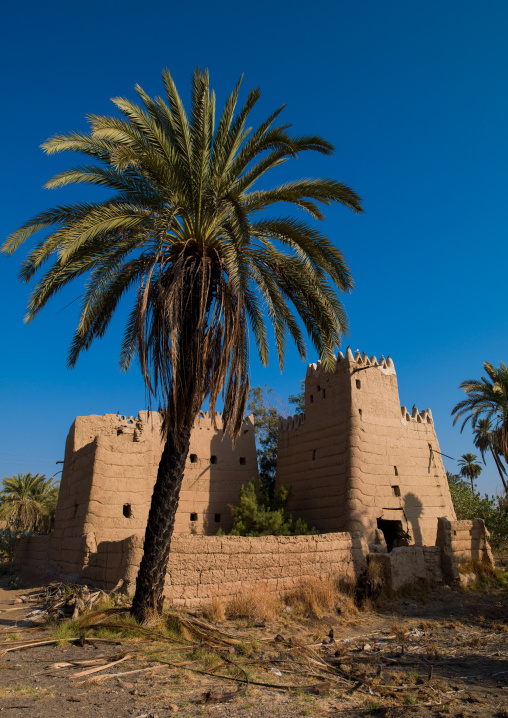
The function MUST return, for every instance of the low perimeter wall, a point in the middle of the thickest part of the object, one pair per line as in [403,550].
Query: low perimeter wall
[203,567]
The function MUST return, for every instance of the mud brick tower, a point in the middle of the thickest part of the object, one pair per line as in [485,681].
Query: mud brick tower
[109,473]
[358,461]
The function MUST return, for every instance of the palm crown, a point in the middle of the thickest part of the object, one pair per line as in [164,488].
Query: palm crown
[487,398]
[28,501]
[187,229]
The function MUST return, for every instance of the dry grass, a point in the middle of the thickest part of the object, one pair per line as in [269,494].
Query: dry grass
[316,596]
[433,652]
[214,611]
[375,571]
[254,603]
[399,630]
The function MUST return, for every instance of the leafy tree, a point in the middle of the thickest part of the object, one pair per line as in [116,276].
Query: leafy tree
[266,424]
[252,517]
[298,400]
[487,398]
[263,406]
[485,439]
[470,504]
[28,502]
[468,468]
[187,235]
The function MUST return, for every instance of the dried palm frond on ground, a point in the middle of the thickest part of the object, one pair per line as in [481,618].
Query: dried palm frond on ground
[405,657]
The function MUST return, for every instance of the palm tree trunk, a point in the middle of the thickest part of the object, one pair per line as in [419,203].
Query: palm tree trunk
[148,599]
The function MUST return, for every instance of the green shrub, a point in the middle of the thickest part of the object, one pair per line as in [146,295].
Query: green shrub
[8,541]
[254,516]
[469,504]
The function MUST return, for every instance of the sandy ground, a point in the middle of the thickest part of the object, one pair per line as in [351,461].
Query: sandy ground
[435,652]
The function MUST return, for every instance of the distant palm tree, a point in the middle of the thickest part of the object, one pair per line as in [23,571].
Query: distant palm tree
[487,439]
[186,234]
[487,398]
[469,469]
[27,502]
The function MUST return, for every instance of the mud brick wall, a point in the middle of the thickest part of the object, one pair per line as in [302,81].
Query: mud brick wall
[33,551]
[462,542]
[201,567]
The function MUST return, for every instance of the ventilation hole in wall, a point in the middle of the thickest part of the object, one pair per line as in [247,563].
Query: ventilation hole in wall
[396,471]
[193,517]
[245,431]
[127,511]
[319,388]
[313,454]
[119,431]
[360,412]
[243,460]
[311,399]
[217,518]
[193,458]
[358,384]
[324,393]
[75,511]
[396,490]
[454,533]
[213,459]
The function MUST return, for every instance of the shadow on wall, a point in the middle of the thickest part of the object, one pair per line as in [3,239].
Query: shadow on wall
[413,509]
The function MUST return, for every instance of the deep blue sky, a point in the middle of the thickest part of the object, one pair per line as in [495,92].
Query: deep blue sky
[412,94]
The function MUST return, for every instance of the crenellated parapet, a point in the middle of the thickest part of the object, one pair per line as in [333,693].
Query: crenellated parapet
[291,422]
[358,360]
[424,416]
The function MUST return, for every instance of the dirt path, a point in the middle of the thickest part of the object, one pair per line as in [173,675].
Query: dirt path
[433,653]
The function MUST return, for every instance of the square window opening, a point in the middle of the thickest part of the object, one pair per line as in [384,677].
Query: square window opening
[243,460]
[358,384]
[127,511]
[193,517]
[217,518]
[396,490]
[193,458]
[213,459]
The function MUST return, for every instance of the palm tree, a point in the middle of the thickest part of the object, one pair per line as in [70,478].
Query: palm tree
[469,469]
[487,398]
[26,502]
[187,236]
[486,438]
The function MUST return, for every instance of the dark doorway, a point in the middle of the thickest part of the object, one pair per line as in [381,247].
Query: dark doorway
[392,531]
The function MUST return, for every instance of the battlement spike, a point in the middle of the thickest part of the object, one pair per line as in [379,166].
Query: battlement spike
[340,356]
[389,363]
[403,411]
[349,354]
[365,358]
[373,360]
[358,357]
